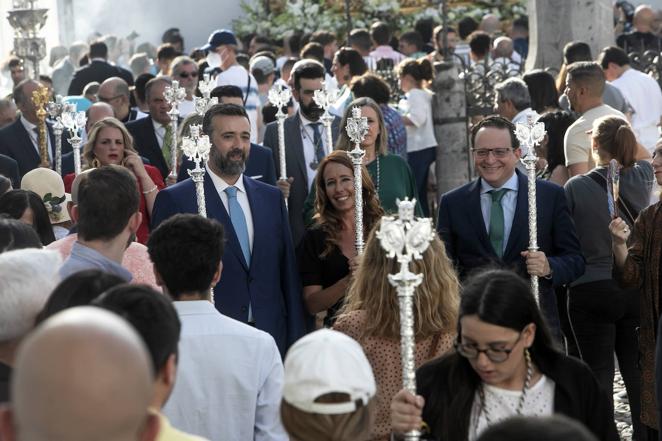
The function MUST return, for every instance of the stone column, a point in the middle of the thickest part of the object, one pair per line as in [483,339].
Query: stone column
[553,23]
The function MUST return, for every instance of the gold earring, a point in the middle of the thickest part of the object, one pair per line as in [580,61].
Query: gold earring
[96,163]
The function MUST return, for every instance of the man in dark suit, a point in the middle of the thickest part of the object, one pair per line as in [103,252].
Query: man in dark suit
[152,135]
[99,69]
[485,222]
[20,140]
[260,284]
[9,169]
[115,91]
[305,140]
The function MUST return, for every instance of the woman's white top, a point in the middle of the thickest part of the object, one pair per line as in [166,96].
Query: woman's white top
[502,404]
[419,110]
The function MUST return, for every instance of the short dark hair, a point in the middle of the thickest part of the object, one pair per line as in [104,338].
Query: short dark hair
[14,61]
[351,57]
[172,35]
[425,26]
[542,90]
[613,54]
[360,38]
[308,69]
[466,26]
[479,42]
[98,49]
[17,235]
[576,51]
[186,250]
[15,202]
[313,51]
[552,428]
[588,73]
[151,314]
[227,91]
[497,122]
[107,199]
[140,83]
[371,86]
[221,110]
[413,37]
[79,289]
[380,33]
[167,51]
[17,92]
[323,37]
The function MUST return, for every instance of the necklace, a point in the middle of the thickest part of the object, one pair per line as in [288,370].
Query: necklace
[522,398]
[378,176]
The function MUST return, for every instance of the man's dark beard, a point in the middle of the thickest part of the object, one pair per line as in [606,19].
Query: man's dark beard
[225,165]
[312,111]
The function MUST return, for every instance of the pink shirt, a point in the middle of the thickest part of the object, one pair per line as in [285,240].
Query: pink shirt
[387,52]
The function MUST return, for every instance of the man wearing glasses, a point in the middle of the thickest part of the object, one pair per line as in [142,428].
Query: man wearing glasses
[485,222]
[185,71]
[115,91]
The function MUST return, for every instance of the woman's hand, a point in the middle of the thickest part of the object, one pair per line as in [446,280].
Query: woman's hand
[134,163]
[620,232]
[406,410]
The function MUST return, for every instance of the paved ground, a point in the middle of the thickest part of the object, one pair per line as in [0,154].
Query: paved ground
[622,409]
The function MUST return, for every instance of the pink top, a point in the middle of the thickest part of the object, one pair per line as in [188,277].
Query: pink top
[136,259]
[387,52]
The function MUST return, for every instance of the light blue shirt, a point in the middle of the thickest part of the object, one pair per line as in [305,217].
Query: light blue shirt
[83,258]
[508,202]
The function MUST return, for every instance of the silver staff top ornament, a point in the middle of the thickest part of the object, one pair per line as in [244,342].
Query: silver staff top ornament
[325,97]
[174,94]
[73,120]
[357,126]
[279,98]
[196,147]
[529,136]
[202,104]
[406,237]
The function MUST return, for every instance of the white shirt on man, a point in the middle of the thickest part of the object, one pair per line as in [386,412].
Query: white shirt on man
[508,204]
[159,132]
[229,378]
[236,75]
[307,137]
[577,142]
[34,137]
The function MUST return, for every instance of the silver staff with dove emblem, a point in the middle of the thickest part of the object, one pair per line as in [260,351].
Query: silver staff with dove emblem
[196,148]
[279,98]
[55,110]
[202,104]
[357,128]
[529,136]
[406,238]
[325,98]
[74,121]
[174,94]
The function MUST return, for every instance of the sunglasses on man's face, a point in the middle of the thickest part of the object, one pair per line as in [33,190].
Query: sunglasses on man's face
[187,74]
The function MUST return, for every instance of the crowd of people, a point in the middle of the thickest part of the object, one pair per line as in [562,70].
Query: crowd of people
[262,321]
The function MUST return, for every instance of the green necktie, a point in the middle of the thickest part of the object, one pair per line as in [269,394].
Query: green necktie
[496,221]
[167,144]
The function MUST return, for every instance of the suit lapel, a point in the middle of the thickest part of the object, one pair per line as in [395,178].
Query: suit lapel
[295,144]
[475,216]
[260,223]
[216,210]
[154,143]
[30,153]
[521,217]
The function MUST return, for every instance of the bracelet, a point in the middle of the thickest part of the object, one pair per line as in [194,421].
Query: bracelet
[151,190]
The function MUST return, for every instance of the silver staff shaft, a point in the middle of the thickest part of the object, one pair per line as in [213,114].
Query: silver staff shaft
[58,128]
[198,176]
[173,143]
[75,144]
[533,222]
[357,159]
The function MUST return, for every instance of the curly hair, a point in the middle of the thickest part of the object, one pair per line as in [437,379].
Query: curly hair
[330,220]
[436,301]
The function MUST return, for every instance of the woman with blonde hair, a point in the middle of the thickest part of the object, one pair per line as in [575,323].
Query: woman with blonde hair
[109,143]
[371,316]
[327,254]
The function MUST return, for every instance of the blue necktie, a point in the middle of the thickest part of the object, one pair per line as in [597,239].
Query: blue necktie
[317,140]
[239,223]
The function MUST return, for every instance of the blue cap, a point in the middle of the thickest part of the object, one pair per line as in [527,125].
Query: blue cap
[219,38]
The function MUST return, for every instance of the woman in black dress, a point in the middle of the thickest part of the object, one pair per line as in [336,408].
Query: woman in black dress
[327,253]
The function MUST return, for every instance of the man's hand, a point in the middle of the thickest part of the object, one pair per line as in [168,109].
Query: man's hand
[537,263]
[285,185]
[406,410]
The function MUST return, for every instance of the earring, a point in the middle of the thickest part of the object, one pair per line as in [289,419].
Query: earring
[96,163]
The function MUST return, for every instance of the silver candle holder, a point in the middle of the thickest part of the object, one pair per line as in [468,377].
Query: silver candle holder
[74,121]
[202,104]
[357,128]
[279,98]
[325,98]
[55,110]
[174,94]
[530,135]
[406,238]
[27,21]
[196,148]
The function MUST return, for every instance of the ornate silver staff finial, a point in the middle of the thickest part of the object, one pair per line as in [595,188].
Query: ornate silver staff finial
[203,104]
[279,98]
[174,95]
[357,128]
[406,238]
[74,121]
[530,135]
[55,110]
[325,98]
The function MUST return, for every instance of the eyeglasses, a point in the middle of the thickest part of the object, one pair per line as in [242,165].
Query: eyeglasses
[499,152]
[495,355]
[188,74]
[107,100]
[657,154]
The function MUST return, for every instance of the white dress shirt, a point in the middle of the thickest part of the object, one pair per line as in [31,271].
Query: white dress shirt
[307,136]
[35,138]
[220,185]
[508,203]
[229,378]
[159,131]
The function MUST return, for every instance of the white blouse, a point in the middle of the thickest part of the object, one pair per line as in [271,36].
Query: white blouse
[419,110]
[502,404]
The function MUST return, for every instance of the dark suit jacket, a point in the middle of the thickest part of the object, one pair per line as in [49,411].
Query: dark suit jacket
[145,142]
[271,284]
[9,169]
[260,163]
[295,164]
[98,71]
[15,143]
[462,228]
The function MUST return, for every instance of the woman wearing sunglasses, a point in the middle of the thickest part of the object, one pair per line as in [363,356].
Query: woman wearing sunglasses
[505,364]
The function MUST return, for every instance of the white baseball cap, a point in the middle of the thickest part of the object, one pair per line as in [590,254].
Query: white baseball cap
[324,362]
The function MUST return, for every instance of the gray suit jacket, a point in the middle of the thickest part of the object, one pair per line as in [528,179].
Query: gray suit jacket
[295,164]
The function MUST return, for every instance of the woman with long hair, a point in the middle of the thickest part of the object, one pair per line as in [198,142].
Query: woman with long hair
[109,143]
[505,363]
[27,206]
[327,253]
[371,316]
[603,317]
[550,152]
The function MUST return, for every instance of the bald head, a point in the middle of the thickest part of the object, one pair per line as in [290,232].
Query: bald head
[503,47]
[490,24]
[83,374]
[97,112]
[644,17]
[115,91]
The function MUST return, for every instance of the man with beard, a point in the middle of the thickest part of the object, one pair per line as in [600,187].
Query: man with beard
[305,141]
[260,284]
